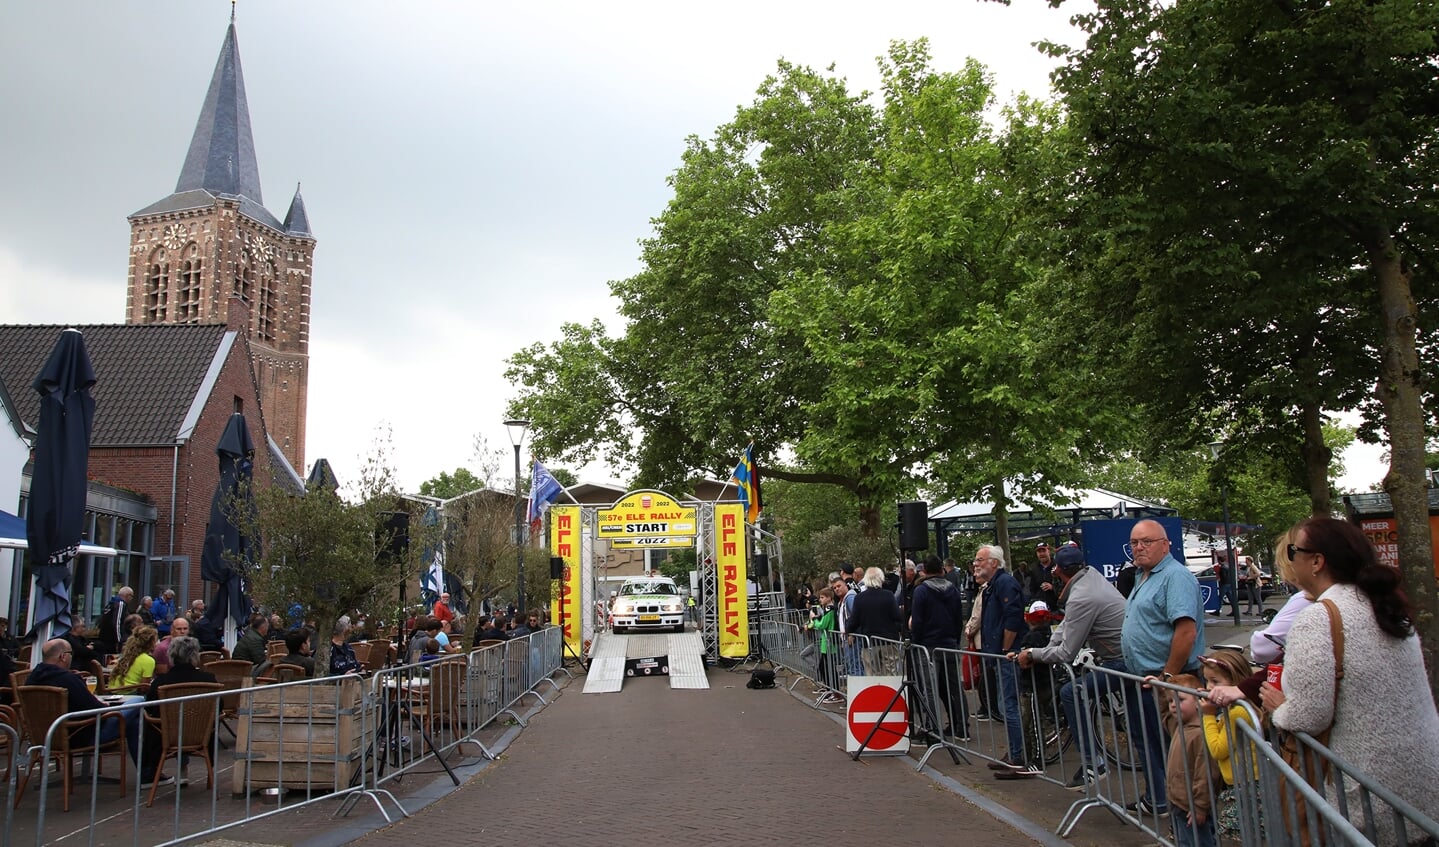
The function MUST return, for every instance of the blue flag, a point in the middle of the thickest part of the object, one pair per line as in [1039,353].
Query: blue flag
[544,490]
[746,476]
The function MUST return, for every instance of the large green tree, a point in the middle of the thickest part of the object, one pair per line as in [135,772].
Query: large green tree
[1260,190]
[834,279]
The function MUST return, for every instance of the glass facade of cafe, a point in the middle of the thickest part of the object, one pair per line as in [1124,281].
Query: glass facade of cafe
[113,518]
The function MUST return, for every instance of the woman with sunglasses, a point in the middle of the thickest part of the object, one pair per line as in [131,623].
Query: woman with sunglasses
[1379,712]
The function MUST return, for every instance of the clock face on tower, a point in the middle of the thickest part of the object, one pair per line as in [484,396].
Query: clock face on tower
[176,236]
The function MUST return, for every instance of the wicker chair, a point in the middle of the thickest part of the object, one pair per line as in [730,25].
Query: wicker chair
[9,744]
[378,656]
[362,653]
[283,672]
[41,707]
[276,650]
[444,702]
[208,656]
[185,727]
[231,673]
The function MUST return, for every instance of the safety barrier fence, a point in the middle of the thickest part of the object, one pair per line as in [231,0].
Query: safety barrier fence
[274,748]
[1099,730]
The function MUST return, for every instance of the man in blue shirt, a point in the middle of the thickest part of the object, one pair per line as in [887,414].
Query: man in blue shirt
[1001,623]
[1163,636]
[163,610]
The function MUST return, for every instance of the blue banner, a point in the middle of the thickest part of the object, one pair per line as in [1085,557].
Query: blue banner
[1106,543]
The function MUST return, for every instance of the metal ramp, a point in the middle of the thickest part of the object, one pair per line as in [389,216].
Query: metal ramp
[610,652]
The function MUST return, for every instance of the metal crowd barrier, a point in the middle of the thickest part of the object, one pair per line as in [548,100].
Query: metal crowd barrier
[424,711]
[283,746]
[1369,807]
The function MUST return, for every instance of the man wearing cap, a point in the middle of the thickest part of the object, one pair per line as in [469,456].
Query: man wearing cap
[1043,584]
[1093,618]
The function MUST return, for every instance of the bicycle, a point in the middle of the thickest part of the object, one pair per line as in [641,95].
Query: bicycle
[1047,734]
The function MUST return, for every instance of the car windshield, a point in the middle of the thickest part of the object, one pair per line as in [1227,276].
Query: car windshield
[649,588]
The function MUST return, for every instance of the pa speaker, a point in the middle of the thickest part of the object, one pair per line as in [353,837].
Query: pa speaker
[557,567]
[914,525]
[394,536]
[761,568]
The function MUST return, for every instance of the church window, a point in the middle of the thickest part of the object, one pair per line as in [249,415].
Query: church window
[265,324]
[187,309]
[245,277]
[157,288]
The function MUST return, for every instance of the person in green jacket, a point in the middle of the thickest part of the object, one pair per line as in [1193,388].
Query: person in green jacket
[825,622]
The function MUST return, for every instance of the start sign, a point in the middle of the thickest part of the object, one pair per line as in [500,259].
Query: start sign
[877,705]
[649,515]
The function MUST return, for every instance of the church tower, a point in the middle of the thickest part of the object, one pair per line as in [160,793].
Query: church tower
[212,240]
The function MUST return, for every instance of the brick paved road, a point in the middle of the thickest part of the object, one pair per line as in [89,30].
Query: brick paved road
[653,765]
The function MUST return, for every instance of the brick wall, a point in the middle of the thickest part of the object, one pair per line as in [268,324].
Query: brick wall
[226,244]
[148,470]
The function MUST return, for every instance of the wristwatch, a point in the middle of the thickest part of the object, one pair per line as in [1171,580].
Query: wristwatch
[1166,676]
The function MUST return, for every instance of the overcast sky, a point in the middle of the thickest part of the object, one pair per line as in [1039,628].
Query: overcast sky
[475,174]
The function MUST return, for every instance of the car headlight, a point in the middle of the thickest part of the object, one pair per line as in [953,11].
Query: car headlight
[622,608]
[672,607]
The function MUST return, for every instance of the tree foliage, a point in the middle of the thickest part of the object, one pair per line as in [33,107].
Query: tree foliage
[328,551]
[835,278]
[1259,206]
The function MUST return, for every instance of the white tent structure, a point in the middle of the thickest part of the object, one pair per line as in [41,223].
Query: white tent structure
[12,537]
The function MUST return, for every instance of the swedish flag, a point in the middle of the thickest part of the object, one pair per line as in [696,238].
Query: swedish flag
[746,476]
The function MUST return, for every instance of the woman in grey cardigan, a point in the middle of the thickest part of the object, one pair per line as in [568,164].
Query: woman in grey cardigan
[1383,718]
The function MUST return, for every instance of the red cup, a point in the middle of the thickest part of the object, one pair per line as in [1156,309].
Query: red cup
[1276,675]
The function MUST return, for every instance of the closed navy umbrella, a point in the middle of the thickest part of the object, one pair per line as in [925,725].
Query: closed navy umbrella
[226,555]
[56,514]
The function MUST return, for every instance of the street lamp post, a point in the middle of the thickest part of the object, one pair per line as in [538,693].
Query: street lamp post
[1214,450]
[516,429]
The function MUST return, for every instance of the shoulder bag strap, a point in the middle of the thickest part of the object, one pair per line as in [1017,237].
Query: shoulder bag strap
[1336,634]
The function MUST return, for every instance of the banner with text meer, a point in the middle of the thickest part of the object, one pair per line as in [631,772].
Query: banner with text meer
[565,544]
[733,602]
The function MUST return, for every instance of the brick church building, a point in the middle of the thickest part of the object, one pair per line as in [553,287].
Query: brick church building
[216,322]
[212,239]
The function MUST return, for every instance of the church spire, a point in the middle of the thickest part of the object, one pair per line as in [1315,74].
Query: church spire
[222,152]
[296,221]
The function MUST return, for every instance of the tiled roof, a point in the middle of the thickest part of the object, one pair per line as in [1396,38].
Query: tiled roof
[146,376]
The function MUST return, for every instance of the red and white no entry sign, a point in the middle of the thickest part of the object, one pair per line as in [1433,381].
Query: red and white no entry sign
[869,696]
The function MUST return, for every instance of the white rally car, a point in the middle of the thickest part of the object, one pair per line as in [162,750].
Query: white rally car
[649,602]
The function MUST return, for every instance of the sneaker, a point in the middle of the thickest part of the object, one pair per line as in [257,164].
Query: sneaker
[1143,806]
[183,781]
[165,779]
[983,716]
[1021,772]
[1084,777]
[1003,764]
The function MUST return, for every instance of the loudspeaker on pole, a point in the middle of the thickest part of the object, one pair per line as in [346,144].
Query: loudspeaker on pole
[557,567]
[914,525]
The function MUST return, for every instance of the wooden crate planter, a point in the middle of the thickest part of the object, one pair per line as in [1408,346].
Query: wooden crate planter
[319,745]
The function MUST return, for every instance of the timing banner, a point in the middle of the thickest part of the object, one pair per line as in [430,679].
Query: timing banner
[565,544]
[733,598]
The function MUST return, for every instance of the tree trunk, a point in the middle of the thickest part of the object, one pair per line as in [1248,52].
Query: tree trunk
[1317,457]
[1400,391]
[868,517]
[1001,521]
